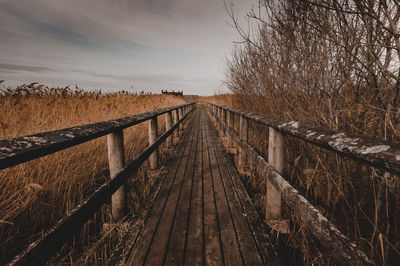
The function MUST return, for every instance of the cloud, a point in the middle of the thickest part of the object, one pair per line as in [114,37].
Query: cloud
[10,68]
[143,78]
[172,42]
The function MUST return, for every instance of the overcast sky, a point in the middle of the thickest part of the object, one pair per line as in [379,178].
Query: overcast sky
[118,44]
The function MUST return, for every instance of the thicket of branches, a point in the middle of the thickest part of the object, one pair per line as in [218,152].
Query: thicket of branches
[333,64]
[339,58]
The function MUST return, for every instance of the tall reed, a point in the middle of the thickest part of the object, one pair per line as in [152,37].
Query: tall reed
[36,194]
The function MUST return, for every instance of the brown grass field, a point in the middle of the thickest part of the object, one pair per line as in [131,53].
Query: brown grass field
[363,202]
[35,195]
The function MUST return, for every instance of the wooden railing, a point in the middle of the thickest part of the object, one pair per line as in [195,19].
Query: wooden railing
[375,153]
[23,149]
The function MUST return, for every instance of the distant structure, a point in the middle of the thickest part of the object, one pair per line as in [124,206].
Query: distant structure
[175,93]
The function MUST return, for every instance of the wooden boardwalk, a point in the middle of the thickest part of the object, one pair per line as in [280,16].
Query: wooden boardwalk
[201,214]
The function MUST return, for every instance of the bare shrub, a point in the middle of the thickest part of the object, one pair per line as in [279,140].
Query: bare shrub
[333,64]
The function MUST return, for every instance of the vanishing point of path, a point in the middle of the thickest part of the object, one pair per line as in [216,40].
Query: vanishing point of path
[202,214]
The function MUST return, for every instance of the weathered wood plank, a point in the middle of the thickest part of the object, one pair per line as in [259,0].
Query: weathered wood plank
[373,152]
[197,217]
[22,149]
[212,239]
[257,228]
[178,233]
[157,249]
[249,252]
[194,254]
[152,221]
[227,230]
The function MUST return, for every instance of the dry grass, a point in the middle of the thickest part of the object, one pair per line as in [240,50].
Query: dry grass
[35,195]
[362,202]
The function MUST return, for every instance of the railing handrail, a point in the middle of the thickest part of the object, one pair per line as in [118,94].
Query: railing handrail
[373,152]
[344,252]
[41,250]
[18,150]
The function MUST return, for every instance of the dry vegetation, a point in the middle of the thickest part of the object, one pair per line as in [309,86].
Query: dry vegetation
[332,64]
[35,195]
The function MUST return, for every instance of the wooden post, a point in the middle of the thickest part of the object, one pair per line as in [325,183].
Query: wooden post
[275,159]
[153,134]
[176,131]
[116,162]
[220,119]
[243,132]
[180,115]
[224,120]
[168,126]
[230,126]
[215,115]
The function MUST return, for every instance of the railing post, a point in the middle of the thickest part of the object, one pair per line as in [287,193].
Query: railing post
[224,124]
[180,117]
[153,134]
[220,120]
[168,126]
[230,127]
[215,115]
[275,159]
[116,162]
[176,131]
[243,132]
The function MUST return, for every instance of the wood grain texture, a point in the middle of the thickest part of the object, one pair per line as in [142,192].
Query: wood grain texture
[200,216]
[116,162]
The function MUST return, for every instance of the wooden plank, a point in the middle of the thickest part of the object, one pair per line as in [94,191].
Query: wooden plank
[178,233]
[249,251]
[256,228]
[194,254]
[152,221]
[212,239]
[230,247]
[158,245]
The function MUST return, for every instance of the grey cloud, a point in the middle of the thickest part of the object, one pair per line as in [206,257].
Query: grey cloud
[152,6]
[3,71]
[173,42]
[68,27]
[36,69]
[143,78]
